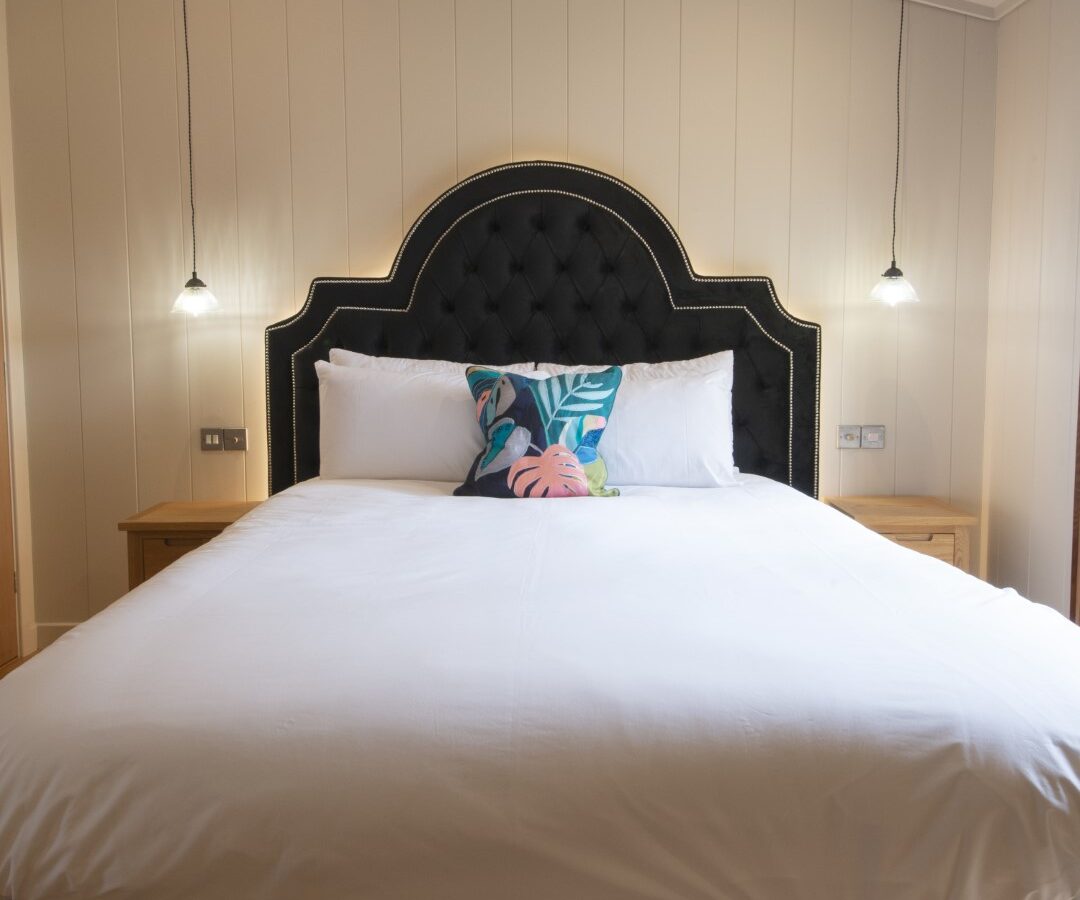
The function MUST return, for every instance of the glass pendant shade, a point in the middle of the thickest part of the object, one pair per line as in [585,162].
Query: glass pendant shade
[195,299]
[894,288]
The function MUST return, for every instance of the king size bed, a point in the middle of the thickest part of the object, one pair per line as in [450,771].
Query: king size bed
[371,687]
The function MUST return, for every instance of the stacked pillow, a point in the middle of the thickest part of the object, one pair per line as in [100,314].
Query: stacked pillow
[672,424]
[552,431]
[387,417]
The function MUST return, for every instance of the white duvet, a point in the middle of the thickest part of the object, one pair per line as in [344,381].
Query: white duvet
[377,690]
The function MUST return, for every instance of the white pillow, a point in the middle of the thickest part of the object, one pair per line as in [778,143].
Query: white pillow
[341,357]
[671,424]
[375,423]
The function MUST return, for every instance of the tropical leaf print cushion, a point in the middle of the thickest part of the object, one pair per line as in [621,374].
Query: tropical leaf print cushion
[541,433]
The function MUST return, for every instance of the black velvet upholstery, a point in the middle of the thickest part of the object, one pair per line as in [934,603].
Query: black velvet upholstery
[553,263]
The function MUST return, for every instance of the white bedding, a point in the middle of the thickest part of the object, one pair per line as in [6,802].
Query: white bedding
[377,690]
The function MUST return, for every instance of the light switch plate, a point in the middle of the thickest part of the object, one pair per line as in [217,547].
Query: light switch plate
[235,438]
[211,439]
[873,437]
[848,437]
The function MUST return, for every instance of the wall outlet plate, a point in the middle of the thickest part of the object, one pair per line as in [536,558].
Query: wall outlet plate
[235,438]
[848,437]
[211,439]
[873,437]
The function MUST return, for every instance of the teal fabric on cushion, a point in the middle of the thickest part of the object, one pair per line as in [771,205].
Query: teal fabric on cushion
[541,434]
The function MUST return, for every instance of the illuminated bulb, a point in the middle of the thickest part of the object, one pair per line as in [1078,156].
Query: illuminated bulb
[894,288]
[195,299]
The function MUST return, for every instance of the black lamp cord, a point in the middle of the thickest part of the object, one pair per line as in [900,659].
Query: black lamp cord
[896,179]
[191,165]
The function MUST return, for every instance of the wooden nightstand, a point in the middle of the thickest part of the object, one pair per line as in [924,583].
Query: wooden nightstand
[925,524]
[162,534]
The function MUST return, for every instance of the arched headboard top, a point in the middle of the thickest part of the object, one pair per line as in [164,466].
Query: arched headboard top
[552,262]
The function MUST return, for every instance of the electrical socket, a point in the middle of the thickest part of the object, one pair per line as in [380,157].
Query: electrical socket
[872,437]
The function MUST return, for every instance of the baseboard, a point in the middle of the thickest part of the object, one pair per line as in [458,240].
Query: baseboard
[46,634]
[9,667]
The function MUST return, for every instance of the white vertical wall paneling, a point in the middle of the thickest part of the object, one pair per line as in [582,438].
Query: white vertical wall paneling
[763,139]
[924,401]
[15,355]
[707,80]
[263,204]
[539,53]
[870,330]
[428,92]
[215,347]
[1014,442]
[101,290]
[1004,143]
[596,97]
[1053,466]
[972,271]
[323,127]
[651,151]
[373,133]
[819,144]
[316,76]
[485,115]
[156,259]
[50,328]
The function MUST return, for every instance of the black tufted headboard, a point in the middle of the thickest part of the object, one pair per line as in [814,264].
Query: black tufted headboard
[553,262]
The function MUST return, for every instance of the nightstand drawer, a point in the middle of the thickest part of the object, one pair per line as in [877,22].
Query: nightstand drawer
[159,552]
[939,546]
[924,524]
[159,536]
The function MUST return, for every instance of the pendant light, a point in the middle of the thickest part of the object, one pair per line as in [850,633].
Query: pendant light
[196,298]
[893,287]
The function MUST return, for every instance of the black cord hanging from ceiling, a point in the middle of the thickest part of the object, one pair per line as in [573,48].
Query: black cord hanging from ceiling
[191,164]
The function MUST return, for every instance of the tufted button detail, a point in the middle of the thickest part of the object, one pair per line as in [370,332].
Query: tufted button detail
[517,268]
[607,346]
[629,306]
[448,306]
[584,224]
[539,224]
[470,346]
[582,306]
[537,305]
[425,347]
[490,306]
[493,227]
[608,268]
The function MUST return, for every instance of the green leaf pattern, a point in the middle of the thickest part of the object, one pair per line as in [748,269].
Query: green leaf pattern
[563,400]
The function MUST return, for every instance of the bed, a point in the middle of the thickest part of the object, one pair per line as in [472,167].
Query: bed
[374,688]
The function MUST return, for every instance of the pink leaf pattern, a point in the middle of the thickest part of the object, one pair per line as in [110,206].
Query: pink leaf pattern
[481,402]
[555,473]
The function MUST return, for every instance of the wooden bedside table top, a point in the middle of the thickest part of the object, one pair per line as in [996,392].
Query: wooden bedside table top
[903,514]
[189,515]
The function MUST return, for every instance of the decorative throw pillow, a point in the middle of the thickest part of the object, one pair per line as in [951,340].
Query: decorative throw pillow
[541,434]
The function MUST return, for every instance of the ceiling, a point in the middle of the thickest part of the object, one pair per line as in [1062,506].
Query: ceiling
[982,9]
